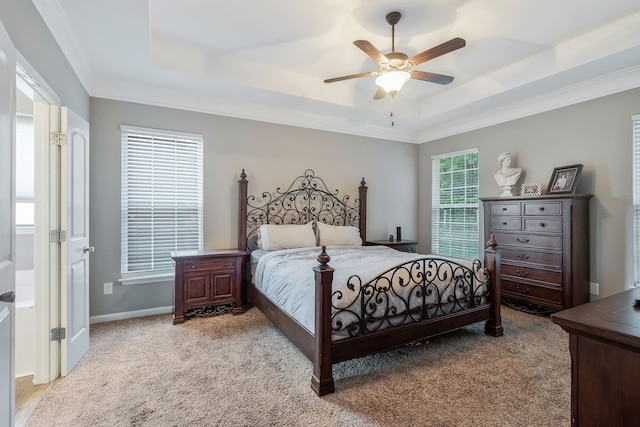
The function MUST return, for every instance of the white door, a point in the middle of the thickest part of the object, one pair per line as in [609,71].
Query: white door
[7,234]
[75,264]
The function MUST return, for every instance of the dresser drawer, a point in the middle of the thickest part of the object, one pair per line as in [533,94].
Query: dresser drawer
[528,240]
[540,275]
[218,264]
[505,209]
[542,208]
[552,259]
[533,293]
[505,223]
[553,225]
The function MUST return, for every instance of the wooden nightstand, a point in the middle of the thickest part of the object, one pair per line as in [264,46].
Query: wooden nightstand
[403,245]
[207,278]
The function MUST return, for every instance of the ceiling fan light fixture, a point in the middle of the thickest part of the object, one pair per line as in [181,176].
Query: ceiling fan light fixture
[392,81]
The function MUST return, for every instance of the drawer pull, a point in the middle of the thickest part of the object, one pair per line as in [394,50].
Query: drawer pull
[226,264]
[522,291]
[504,223]
[522,256]
[525,274]
[521,240]
[193,266]
[541,208]
[542,224]
[504,209]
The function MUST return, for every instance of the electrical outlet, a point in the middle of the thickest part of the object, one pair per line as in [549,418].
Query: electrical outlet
[594,288]
[108,288]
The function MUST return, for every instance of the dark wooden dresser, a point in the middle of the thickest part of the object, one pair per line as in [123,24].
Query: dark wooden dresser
[402,245]
[604,341]
[207,278]
[544,242]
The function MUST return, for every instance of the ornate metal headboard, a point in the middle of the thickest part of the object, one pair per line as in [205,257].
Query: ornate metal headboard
[306,199]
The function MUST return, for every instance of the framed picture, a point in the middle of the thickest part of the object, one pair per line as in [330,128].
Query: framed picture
[564,179]
[531,189]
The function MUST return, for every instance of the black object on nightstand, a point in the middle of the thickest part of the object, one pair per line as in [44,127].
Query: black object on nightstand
[403,245]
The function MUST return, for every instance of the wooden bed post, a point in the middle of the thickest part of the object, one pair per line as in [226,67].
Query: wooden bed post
[242,212]
[492,263]
[363,211]
[322,379]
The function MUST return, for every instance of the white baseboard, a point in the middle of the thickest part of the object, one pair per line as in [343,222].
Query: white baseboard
[130,314]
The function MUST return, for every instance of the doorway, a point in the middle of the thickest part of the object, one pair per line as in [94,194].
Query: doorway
[37,271]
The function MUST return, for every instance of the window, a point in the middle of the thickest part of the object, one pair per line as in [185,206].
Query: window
[454,222]
[636,193]
[161,200]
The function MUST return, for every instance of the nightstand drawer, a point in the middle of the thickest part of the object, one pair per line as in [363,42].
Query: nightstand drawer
[219,264]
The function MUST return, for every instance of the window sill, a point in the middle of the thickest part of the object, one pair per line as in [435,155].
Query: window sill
[144,278]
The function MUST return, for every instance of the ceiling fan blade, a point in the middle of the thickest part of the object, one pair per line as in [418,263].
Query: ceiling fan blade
[380,93]
[371,50]
[439,50]
[351,76]
[431,77]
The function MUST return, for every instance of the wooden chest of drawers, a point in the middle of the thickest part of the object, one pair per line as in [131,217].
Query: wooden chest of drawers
[207,278]
[544,241]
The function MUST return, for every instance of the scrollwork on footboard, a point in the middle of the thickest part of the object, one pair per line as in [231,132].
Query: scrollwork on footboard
[421,289]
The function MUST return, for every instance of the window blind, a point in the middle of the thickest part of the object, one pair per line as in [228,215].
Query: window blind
[161,197]
[455,220]
[636,193]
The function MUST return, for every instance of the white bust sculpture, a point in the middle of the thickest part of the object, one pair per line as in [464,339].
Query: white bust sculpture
[507,176]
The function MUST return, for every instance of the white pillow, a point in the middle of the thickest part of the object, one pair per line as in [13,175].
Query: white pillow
[333,235]
[273,237]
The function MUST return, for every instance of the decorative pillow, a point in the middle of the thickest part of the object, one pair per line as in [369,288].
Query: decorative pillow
[333,235]
[273,236]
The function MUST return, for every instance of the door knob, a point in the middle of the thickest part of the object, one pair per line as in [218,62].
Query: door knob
[88,249]
[8,296]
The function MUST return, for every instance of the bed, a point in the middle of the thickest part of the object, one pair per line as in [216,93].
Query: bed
[376,298]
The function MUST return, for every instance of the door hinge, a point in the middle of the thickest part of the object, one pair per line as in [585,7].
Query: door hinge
[58,138]
[58,334]
[57,236]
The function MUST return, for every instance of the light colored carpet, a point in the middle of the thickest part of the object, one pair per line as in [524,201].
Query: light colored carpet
[241,371]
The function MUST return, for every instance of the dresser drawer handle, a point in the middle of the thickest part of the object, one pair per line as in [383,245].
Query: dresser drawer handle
[525,274]
[504,223]
[504,209]
[226,264]
[522,240]
[542,224]
[193,266]
[541,208]
[522,291]
[522,256]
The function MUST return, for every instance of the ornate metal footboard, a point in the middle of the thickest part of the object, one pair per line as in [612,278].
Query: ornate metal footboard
[412,292]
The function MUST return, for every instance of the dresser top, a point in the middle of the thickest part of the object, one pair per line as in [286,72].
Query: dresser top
[542,197]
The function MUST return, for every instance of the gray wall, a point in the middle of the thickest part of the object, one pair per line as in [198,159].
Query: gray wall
[595,133]
[272,155]
[34,41]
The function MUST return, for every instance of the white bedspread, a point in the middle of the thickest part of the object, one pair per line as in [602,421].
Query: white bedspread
[286,277]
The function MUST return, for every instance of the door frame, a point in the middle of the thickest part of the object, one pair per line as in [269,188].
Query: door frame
[47,217]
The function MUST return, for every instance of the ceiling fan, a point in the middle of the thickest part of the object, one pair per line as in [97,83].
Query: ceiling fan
[395,68]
